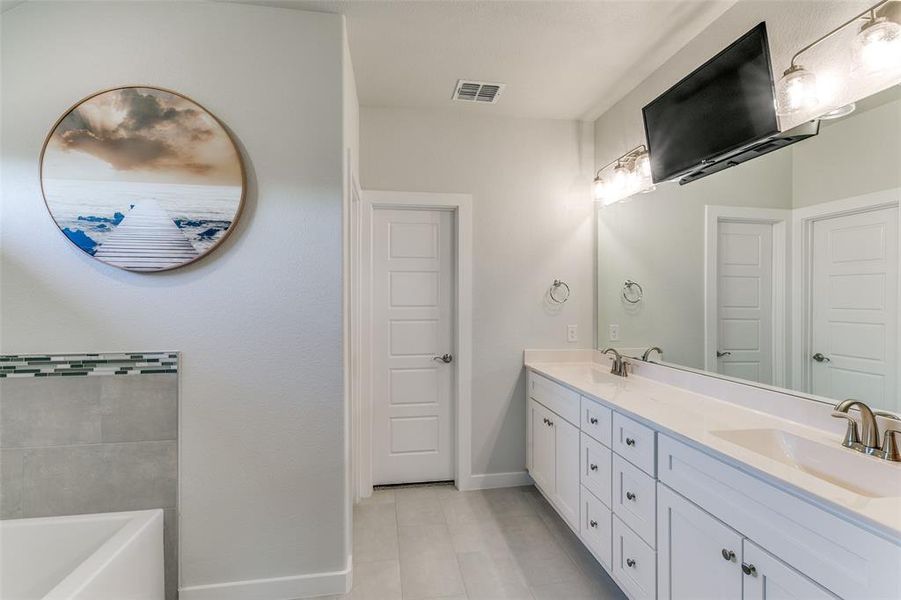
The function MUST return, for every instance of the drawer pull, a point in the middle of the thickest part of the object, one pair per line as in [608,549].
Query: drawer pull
[630,441]
[728,555]
[593,467]
[593,420]
[630,495]
[630,562]
[748,569]
[593,523]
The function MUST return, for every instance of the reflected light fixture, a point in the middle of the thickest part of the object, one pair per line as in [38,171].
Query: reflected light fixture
[627,175]
[877,47]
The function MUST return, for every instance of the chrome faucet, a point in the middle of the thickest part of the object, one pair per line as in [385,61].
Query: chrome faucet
[619,367]
[647,353]
[869,429]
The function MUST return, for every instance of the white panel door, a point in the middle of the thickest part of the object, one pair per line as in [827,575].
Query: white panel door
[745,300]
[854,307]
[543,451]
[412,315]
[697,555]
[567,490]
[768,578]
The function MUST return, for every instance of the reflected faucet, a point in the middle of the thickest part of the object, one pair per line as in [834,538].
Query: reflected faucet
[647,353]
[869,429]
[619,367]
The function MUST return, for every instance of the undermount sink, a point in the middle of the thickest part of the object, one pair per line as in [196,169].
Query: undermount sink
[856,472]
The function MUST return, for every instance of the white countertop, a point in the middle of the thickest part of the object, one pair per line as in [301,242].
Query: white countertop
[693,417]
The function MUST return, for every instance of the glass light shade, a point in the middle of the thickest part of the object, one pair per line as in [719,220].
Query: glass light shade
[620,180]
[599,189]
[878,46]
[841,111]
[643,165]
[796,91]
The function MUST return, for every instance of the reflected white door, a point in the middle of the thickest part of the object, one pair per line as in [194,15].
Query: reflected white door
[412,314]
[745,300]
[854,307]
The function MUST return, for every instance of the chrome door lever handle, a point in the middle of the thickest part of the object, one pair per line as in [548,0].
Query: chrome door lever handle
[722,354]
[446,358]
[819,357]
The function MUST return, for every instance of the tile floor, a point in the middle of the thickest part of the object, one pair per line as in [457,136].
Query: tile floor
[436,542]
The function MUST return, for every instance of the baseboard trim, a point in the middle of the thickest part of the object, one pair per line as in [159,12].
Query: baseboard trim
[274,588]
[487,481]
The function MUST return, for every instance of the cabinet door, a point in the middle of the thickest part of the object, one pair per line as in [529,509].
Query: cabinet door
[768,578]
[567,489]
[542,450]
[698,557]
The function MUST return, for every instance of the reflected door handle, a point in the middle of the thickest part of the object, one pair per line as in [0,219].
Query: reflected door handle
[445,358]
[820,358]
[722,354]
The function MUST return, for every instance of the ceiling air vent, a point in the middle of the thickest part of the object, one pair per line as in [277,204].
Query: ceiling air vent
[477,91]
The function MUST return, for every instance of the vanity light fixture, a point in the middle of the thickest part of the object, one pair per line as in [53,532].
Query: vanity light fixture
[877,48]
[630,174]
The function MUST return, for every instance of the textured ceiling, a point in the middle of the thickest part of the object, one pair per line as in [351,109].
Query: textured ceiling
[566,60]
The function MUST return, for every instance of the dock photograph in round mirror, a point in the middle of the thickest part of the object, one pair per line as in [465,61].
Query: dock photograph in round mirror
[142,178]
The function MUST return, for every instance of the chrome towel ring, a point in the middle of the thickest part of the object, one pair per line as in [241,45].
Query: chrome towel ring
[559,292]
[632,292]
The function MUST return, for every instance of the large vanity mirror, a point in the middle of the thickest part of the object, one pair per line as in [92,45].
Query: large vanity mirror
[782,271]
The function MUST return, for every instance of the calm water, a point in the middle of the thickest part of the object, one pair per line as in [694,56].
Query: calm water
[87,210]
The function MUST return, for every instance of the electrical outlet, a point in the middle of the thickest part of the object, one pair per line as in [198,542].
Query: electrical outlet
[613,332]
[572,333]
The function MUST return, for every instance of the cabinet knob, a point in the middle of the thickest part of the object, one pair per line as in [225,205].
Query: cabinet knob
[550,423]
[630,495]
[630,441]
[593,467]
[593,523]
[593,420]
[630,562]
[545,420]
[728,555]
[749,569]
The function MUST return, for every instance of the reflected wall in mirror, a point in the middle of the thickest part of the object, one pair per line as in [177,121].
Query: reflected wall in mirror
[781,271]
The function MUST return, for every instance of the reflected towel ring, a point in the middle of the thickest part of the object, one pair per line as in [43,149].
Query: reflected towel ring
[556,296]
[632,292]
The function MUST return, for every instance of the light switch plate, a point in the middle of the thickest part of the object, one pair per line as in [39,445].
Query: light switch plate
[572,333]
[613,332]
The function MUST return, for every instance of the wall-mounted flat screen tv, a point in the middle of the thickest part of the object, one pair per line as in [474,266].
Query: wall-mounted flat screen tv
[725,104]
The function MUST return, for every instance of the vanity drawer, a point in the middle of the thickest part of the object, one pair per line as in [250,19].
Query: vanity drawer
[597,528]
[597,421]
[635,442]
[844,558]
[635,499]
[634,563]
[554,396]
[596,468]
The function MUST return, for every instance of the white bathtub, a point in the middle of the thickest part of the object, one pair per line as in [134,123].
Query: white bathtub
[107,556]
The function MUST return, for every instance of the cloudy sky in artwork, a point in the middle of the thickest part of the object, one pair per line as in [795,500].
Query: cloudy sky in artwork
[141,134]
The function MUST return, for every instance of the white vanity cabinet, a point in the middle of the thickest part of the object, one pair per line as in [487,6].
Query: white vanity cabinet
[671,520]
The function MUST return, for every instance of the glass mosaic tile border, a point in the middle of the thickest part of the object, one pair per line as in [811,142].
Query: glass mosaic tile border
[68,365]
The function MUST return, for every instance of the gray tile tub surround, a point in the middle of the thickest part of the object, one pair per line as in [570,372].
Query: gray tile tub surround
[76,445]
[65,411]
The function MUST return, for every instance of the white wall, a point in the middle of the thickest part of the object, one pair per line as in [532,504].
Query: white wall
[259,321]
[857,155]
[533,222]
